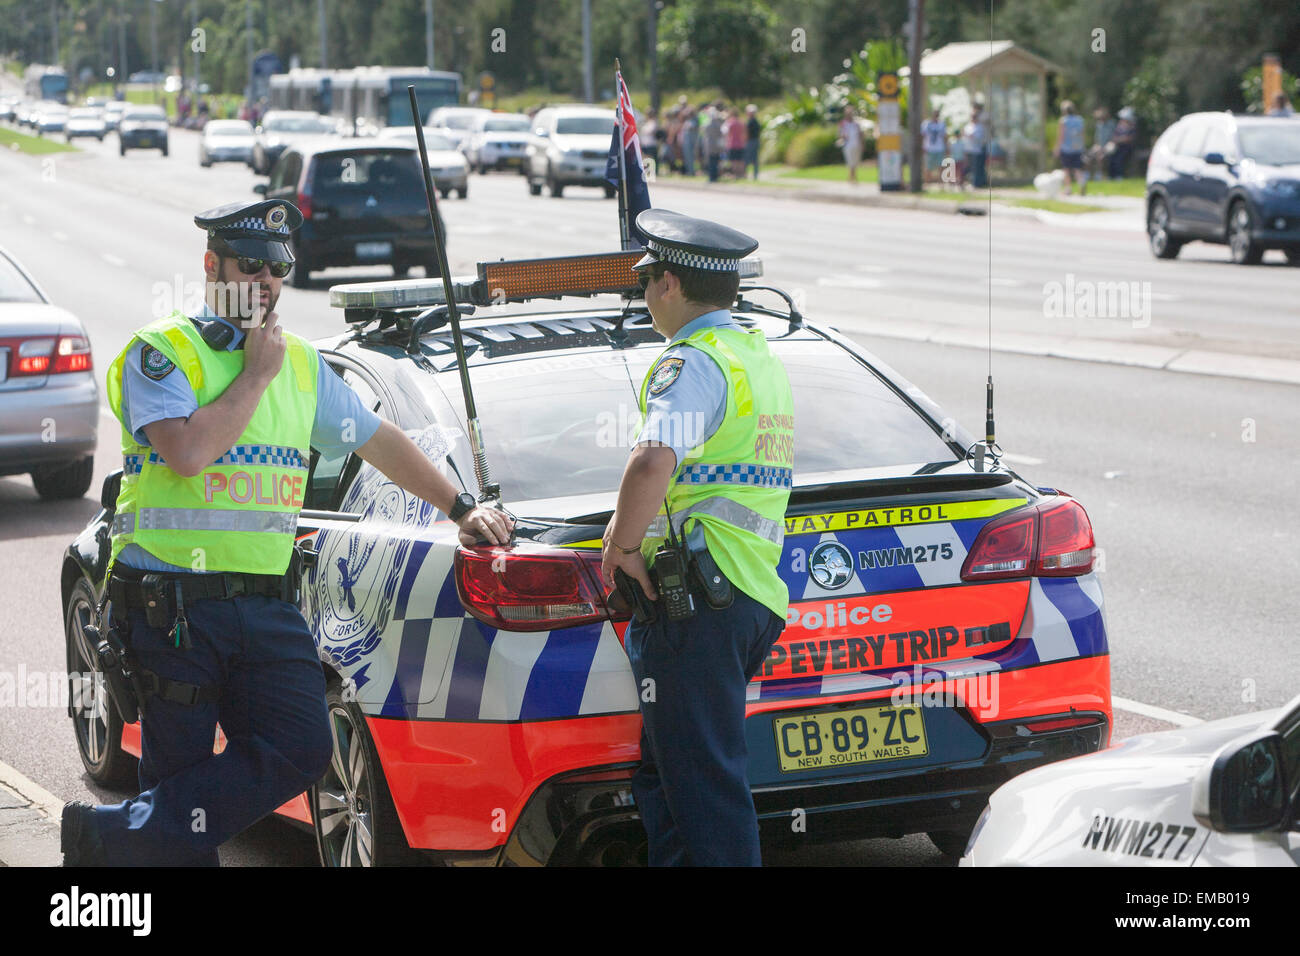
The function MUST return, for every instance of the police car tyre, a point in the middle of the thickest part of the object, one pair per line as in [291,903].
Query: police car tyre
[951,843]
[352,813]
[64,480]
[1292,256]
[98,728]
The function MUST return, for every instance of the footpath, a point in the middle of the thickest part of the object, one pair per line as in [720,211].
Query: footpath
[29,822]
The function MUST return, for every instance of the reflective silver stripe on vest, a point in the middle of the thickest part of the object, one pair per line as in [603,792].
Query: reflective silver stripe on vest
[124,523]
[724,509]
[177,519]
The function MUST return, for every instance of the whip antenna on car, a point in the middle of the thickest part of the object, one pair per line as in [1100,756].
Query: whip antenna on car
[487,490]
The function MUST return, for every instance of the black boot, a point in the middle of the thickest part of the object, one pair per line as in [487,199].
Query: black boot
[78,839]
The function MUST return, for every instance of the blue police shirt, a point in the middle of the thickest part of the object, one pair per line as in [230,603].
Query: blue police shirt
[688,402]
[146,400]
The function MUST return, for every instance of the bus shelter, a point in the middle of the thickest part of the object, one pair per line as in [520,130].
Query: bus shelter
[1011,84]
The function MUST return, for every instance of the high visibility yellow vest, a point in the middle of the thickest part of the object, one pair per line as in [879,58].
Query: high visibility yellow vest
[737,484]
[240,513]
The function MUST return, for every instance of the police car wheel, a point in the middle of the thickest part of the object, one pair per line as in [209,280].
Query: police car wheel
[352,813]
[951,843]
[97,726]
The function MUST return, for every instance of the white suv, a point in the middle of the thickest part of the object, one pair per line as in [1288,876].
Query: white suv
[568,147]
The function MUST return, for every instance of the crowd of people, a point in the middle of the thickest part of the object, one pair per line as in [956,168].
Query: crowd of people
[968,151]
[1107,157]
[710,137]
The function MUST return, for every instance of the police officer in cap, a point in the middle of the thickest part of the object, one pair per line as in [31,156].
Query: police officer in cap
[219,413]
[714,456]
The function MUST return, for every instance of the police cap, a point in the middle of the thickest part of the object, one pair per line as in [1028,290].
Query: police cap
[674,239]
[258,230]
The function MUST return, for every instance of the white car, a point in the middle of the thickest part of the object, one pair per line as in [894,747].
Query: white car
[51,118]
[568,147]
[456,122]
[85,121]
[447,166]
[1224,793]
[498,141]
[113,111]
[226,141]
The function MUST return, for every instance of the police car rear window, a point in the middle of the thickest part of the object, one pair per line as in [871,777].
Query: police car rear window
[558,426]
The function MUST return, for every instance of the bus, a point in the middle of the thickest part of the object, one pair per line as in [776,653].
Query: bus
[302,89]
[372,97]
[46,83]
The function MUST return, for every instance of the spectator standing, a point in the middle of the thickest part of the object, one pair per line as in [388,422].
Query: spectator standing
[957,147]
[977,147]
[850,142]
[1069,146]
[735,127]
[1095,158]
[647,130]
[1123,138]
[690,140]
[1281,105]
[934,140]
[714,143]
[753,133]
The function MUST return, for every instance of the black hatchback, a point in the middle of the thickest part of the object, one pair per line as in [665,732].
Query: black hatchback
[1226,179]
[361,205]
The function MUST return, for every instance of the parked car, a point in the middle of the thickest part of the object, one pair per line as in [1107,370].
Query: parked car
[1223,178]
[85,121]
[945,633]
[498,141]
[361,205]
[226,141]
[49,399]
[447,164]
[1223,793]
[280,128]
[142,127]
[455,122]
[568,147]
[8,108]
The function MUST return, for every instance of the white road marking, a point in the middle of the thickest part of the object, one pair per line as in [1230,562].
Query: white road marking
[1159,713]
[61,236]
[41,798]
[113,260]
[1006,282]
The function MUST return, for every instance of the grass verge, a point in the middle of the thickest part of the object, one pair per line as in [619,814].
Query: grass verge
[32,145]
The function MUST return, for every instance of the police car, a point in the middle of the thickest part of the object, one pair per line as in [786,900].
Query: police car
[1224,793]
[945,632]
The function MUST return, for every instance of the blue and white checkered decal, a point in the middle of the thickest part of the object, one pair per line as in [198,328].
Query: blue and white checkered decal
[761,475]
[263,455]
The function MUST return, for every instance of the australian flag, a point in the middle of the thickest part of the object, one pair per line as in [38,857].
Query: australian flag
[635,191]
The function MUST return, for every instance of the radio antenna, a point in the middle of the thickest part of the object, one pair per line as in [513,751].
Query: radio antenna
[488,491]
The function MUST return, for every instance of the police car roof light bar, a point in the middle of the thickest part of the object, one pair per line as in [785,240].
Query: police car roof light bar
[481,471]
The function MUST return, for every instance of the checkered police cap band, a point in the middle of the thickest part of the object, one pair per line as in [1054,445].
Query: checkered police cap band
[255,227]
[693,260]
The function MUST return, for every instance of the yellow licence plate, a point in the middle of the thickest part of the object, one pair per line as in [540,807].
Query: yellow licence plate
[840,737]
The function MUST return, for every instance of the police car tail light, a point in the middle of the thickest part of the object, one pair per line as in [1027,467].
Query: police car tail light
[1065,544]
[72,354]
[529,588]
[1050,539]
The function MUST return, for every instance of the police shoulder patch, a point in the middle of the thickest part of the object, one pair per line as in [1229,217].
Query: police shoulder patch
[154,364]
[665,374]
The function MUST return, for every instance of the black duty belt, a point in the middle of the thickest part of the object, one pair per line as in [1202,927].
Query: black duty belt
[197,587]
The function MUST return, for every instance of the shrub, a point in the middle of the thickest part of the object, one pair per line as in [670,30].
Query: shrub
[813,146]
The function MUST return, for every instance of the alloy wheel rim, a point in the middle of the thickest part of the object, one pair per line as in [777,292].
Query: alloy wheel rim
[342,798]
[1158,227]
[1240,238]
[91,723]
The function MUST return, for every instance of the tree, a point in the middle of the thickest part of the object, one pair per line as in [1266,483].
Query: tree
[730,44]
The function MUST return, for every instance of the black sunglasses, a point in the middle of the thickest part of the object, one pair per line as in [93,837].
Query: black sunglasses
[251,267]
[648,276]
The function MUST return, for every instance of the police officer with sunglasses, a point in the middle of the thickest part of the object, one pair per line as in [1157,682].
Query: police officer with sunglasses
[220,411]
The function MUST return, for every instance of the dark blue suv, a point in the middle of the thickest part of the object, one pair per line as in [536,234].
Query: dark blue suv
[1224,178]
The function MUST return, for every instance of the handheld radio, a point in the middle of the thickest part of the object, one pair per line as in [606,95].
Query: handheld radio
[670,569]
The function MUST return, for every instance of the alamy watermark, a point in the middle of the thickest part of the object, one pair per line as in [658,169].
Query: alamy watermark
[1085,299]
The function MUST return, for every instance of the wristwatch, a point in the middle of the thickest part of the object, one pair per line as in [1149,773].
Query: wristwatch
[462,506]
